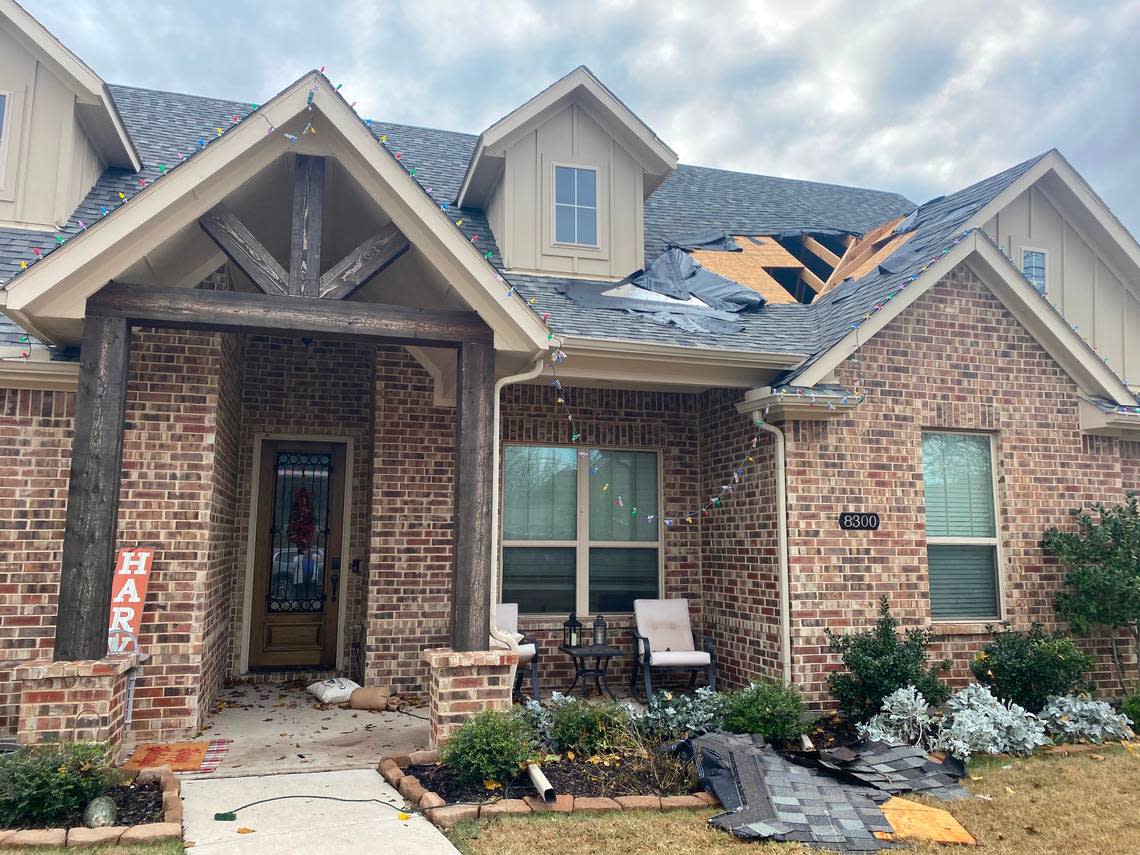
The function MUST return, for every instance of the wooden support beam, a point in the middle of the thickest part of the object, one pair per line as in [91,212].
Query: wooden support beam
[818,249]
[244,250]
[811,279]
[471,570]
[352,272]
[93,491]
[184,308]
[305,237]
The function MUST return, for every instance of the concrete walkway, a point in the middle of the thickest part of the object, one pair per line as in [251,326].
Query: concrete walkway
[311,826]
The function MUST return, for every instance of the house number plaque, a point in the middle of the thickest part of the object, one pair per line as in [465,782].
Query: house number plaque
[859,522]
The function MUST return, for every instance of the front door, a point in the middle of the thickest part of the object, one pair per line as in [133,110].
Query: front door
[297,560]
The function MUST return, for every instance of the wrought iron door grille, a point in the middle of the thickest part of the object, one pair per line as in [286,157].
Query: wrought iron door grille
[298,536]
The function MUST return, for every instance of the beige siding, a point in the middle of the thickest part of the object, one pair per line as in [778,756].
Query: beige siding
[49,163]
[1078,281]
[521,208]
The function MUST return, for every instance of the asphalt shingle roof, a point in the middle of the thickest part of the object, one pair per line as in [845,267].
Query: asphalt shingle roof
[166,127]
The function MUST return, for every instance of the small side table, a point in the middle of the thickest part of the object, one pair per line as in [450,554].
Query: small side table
[601,654]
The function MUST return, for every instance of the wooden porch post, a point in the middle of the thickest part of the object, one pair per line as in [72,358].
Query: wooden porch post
[471,572]
[93,491]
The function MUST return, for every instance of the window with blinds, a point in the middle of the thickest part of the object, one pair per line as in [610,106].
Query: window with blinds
[580,532]
[961,526]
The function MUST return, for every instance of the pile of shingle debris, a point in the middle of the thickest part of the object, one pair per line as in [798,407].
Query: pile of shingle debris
[832,799]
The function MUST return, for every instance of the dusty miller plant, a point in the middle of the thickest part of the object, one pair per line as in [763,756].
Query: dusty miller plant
[1103,578]
[978,723]
[671,716]
[904,717]
[1079,718]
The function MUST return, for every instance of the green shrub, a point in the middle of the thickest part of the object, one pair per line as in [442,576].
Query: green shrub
[1027,667]
[1130,706]
[42,785]
[879,662]
[492,746]
[669,717]
[588,728]
[772,710]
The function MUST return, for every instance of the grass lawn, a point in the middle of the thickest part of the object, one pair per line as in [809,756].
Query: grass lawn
[1045,805]
[172,847]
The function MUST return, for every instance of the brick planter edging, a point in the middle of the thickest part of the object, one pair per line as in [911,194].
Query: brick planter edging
[81,837]
[445,816]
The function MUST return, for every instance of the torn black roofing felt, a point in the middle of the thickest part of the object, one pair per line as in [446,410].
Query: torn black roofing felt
[677,274]
[706,240]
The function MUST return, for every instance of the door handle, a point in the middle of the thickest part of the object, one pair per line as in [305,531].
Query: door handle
[335,585]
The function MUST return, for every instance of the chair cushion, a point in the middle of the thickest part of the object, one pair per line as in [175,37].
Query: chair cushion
[680,659]
[507,617]
[665,623]
[526,653]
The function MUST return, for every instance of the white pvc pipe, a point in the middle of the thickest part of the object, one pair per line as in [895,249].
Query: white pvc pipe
[782,548]
[496,633]
[541,784]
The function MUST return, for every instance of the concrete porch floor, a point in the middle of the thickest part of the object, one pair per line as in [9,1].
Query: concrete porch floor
[278,728]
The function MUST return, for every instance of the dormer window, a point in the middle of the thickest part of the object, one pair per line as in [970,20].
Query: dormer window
[1033,267]
[575,205]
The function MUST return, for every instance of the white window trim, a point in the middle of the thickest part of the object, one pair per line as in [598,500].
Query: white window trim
[554,241]
[5,135]
[995,541]
[1021,264]
[583,542]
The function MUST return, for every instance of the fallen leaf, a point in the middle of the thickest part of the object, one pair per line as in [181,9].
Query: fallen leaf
[1096,757]
[976,778]
[1009,790]
[1030,829]
[984,797]
[244,830]
[405,816]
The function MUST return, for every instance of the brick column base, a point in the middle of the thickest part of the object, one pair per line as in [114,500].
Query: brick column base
[85,699]
[463,684]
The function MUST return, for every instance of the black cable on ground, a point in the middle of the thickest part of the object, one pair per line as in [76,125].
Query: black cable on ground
[231,815]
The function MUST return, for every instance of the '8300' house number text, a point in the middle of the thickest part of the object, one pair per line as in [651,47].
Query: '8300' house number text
[849,521]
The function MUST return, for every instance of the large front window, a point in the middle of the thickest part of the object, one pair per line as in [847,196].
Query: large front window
[580,532]
[961,528]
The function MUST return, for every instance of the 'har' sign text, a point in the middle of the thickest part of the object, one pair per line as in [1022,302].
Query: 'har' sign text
[128,593]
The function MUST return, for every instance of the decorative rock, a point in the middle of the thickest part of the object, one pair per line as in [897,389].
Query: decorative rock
[431,800]
[401,760]
[708,798]
[5,834]
[370,698]
[411,789]
[562,804]
[154,773]
[100,812]
[681,802]
[639,802]
[423,758]
[152,832]
[169,783]
[594,805]
[32,837]
[503,807]
[81,838]
[448,817]
[391,772]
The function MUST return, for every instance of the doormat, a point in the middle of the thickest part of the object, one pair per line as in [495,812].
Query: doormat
[180,756]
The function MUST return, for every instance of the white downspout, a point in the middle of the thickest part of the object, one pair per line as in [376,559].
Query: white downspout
[782,548]
[496,633]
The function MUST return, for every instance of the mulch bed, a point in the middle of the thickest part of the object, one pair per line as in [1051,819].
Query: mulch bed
[833,732]
[623,776]
[137,804]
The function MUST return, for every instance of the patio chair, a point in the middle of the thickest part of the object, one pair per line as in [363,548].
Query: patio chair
[663,641]
[507,619]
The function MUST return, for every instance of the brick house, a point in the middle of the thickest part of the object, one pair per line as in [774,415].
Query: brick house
[355,382]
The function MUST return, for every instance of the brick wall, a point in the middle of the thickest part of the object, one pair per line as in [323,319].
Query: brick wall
[954,360]
[664,421]
[739,545]
[306,387]
[35,452]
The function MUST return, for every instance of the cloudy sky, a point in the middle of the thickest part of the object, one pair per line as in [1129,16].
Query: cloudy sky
[917,97]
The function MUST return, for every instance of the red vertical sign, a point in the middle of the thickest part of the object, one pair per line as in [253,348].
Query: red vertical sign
[128,593]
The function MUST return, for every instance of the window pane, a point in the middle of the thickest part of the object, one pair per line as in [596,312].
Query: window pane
[958,484]
[564,185]
[963,582]
[540,495]
[620,576]
[1033,268]
[622,482]
[539,579]
[587,226]
[564,224]
[587,187]
[3,104]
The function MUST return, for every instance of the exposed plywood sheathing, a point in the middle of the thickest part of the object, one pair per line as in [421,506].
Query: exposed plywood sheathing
[864,254]
[747,266]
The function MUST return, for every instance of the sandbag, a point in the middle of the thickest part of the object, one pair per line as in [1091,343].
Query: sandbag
[370,698]
[334,691]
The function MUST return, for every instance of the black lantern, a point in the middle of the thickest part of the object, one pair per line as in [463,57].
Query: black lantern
[600,631]
[572,631]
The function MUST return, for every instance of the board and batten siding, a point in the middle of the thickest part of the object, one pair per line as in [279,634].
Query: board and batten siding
[49,163]
[520,209]
[1084,288]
